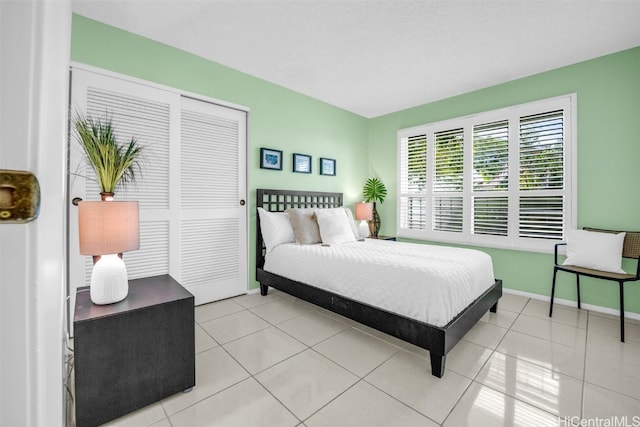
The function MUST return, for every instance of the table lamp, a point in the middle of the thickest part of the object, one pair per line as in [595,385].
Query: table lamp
[364,213]
[106,230]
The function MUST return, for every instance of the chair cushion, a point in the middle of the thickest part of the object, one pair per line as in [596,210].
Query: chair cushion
[594,250]
[598,273]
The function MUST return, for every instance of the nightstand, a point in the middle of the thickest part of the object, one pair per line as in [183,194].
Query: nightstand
[134,352]
[380,237]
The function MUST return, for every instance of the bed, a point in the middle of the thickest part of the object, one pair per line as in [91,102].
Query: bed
[428,331]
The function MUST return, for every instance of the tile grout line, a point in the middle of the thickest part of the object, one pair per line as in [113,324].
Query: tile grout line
[496,351]
[399,401]
[332,400]
[360,379]
[251,376]
[293,355]
[493,351]
[278,400]
[398,349]
[269,367]
[607,388]
[584,368]
[583,380]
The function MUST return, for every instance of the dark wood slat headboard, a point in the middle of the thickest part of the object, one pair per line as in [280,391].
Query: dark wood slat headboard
[281,200]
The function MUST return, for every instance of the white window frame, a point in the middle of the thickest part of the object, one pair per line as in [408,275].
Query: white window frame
[512,241]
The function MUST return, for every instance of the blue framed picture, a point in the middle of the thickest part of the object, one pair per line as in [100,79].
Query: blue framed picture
[270,159]
[327,166]
[301,163]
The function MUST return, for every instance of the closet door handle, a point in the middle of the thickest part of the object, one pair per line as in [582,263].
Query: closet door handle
[242,202]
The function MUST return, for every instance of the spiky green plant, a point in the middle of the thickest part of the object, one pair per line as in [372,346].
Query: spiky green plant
[112,162]
[374,190]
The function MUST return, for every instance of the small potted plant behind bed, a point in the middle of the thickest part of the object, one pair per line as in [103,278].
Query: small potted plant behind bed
[374,191]
[112,162]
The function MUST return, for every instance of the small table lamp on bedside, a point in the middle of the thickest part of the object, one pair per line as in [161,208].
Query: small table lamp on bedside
[106,230]
[364,213]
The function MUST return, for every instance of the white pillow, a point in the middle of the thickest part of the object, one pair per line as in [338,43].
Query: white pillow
[305,225]
[334,226]
[276,228]
[595,250]
[356,233]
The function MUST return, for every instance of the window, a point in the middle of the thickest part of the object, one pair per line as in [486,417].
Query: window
[502,178]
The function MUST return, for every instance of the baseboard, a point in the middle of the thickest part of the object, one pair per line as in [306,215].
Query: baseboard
[573,304]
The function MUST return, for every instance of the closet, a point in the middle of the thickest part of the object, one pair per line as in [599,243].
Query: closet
[192,190]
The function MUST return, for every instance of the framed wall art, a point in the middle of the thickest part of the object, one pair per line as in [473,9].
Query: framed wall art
[301,163]
[270,159]
[327,166]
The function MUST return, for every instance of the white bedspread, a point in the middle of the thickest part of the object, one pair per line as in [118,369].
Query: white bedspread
[427,283]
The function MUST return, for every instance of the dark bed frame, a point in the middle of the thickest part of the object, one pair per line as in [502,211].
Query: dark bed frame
[438,340]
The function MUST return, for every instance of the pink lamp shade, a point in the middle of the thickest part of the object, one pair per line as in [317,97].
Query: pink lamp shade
[364,211]
[108,227]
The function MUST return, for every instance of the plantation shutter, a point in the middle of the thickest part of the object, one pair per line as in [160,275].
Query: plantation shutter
[449,161]
[447,213]
[501,178]
[491,215]
[448,178]
[491,156]
[413,169]
[491,178]
[541,177]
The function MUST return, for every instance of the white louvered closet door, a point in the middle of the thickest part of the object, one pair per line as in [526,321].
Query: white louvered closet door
[143,112]
[213,250]
[192,225]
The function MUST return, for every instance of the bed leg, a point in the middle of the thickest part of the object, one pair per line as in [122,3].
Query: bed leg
[494,308]
[437,365]
[264,289]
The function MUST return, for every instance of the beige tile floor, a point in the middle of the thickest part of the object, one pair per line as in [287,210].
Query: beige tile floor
[279,361]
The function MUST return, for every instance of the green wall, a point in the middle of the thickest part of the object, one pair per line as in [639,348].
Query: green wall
[608,97]
[279,118]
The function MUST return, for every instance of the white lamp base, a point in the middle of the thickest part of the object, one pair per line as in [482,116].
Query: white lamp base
[363,229]
[109,283]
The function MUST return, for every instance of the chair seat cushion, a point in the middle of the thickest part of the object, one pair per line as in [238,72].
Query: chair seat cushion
[597,273]
[595,250]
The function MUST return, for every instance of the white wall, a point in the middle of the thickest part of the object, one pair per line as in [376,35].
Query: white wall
[35,37]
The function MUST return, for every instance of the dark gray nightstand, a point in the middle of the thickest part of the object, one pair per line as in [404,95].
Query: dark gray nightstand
[134,352]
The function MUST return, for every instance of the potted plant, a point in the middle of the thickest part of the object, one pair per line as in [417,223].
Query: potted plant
[106,229]
[374,191]
[112,162]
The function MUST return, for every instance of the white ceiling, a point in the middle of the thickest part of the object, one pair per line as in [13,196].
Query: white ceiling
[376,57]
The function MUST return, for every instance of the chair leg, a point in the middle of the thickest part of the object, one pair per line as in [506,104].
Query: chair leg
[621,311]
[553,290]
[578,288]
